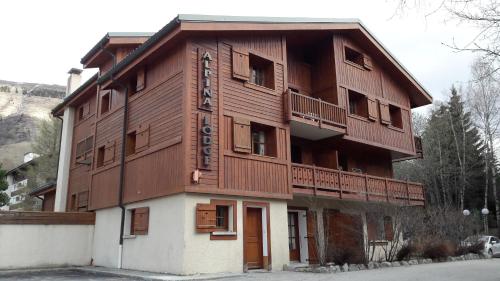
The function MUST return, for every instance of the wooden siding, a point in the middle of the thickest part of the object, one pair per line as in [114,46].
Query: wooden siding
[46,218]
[377,84]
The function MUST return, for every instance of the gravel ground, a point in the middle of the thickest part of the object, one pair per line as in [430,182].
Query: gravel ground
[475,270]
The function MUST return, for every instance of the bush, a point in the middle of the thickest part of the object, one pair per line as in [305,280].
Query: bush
[405,252]
[476,248]
[344,254]
[438,250]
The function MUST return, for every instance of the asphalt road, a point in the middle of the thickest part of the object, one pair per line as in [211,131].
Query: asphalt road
[476,270]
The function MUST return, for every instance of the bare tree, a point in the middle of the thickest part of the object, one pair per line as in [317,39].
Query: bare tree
[484,100]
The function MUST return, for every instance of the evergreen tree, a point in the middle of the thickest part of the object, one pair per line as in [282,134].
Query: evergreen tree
[4,198]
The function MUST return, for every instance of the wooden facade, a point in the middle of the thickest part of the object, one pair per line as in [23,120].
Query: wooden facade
[330,106]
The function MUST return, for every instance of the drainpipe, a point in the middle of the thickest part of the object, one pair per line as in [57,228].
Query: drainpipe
[122,160]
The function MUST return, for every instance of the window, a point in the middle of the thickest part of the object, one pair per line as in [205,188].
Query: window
[380,228]
[261,71]
[263,140]
[353,56]
[357,58]
[105,102]
[296,154]
[81,113]
[84,148]
[221,217]
[100,156]
[358,104]
[396,117]
[139,221]
[131,142]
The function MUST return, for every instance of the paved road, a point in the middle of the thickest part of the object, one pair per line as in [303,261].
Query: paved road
[476,270]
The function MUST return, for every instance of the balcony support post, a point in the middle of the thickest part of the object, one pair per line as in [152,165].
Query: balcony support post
[408,192]
[314,180]
[366,188]
[320,113]
[386,190]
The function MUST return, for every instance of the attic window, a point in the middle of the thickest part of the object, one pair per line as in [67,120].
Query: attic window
[353,56]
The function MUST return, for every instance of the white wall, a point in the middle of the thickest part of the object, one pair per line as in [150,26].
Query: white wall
[161,250]
[23,246]
[106,237]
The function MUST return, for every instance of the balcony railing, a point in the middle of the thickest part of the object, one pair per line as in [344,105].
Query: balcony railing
[355,186]
[312,109]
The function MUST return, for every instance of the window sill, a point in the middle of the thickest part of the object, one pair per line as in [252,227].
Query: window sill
[361,118]
[260,88]
[395,128]
[353,64]
[129,236]
[223,233]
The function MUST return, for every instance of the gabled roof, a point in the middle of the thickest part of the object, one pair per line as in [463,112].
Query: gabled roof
[186,23]
[113,39]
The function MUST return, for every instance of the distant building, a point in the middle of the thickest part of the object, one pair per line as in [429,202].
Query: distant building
[17,181]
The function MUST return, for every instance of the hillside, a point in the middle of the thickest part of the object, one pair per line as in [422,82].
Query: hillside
[22,105]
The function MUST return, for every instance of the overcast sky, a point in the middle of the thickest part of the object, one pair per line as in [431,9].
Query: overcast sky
[42,40]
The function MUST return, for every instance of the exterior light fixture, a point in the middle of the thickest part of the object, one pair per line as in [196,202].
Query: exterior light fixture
[485,211]
[466,212]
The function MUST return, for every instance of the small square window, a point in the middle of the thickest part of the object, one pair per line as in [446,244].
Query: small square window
[358,104]
[100,156]
[81,114]
[396,117]
[139,221]
[105,102]
[261,71]
[263,139]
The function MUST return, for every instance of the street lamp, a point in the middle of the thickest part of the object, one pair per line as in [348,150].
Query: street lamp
[485,213]
[466,212]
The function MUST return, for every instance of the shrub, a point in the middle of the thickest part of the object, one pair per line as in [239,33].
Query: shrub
[437,250]
[405,252]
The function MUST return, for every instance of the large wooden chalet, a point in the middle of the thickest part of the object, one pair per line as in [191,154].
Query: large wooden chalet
[222,144]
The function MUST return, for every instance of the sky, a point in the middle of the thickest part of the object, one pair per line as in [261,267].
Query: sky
[42,40]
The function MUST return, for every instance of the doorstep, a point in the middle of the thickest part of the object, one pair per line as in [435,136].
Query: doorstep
[143,275]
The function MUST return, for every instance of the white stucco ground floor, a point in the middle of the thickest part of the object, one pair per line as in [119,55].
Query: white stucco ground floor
[199,233]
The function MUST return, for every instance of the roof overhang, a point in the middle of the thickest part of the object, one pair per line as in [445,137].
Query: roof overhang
[43,189]
[184,25]
[110,42]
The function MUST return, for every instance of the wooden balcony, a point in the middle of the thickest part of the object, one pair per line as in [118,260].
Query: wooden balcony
[313,118]
[418,146]
[319,181]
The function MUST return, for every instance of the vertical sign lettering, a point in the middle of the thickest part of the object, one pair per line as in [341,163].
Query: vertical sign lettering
[205,119]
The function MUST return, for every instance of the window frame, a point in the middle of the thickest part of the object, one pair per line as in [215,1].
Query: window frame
[267,71]
[132,231]
[379,221]
[101,150]
[108,96]
[398,111]
[231,232]
[359,97]
[270,139]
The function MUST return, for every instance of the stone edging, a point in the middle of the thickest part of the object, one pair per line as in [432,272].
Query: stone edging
[332,268]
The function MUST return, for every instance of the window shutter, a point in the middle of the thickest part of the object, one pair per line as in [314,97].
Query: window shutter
[311,237]
[372,109]
[242,141]
[141,80]
[140,221]
[109,152]
[372,228]
[367,63]
[205,217]
[142,138]
[83,198]
[388,229]
[385,117]
[241,65]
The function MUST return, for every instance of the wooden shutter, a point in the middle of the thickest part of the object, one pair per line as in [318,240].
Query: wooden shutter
[141,80]
[242,139]
[109,152]
[205,217]
[140,221]
[241,65]
[385,116]
[311,237]
[367,63]
[142,138]
[388,229]
[372,109]
[371,227]
[83,199]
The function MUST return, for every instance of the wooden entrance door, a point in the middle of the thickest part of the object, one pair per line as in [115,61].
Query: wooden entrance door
[293,236]
[253,238]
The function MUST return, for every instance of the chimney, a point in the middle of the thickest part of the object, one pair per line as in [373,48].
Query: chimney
[74,80]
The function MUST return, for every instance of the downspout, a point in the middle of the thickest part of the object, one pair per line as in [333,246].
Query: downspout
[122,160]
[59,154]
